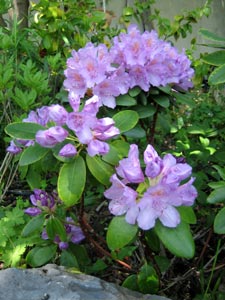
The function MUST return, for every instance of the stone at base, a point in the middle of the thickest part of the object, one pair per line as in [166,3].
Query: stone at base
[52,282]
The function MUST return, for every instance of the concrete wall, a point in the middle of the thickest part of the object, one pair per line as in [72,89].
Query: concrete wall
[169,8]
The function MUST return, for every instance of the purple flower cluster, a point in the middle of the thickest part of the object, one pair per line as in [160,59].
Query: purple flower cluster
[42,202]
[45,202]
[165,187]
[134,59]
[87,128]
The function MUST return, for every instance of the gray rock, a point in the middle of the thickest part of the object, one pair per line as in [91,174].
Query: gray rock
[52,282]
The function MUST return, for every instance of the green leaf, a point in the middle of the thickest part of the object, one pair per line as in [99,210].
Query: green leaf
[217,76]
[120,233]
[67,259]
[55,227]
[148,281]
[39,256]
[187,214]
[125,100]
[220,170]
[71,181]
[136,133]
[122,147]
[135,91]
[216,58]
[32,154]
[36,223]
[25,130]
[216,196]
[145,111]
[178,241]
[219,222]
[112,157]
[100,169]
[211,36]
[125,120]
[131,283]
[162,100]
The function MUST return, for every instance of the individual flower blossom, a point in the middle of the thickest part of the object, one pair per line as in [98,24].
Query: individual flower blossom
[90,130]
[130,168]
[41,201]
[50,137]
[69,150]
[122,196]
[74,232]
[157,196]
[13,148]
[57,114]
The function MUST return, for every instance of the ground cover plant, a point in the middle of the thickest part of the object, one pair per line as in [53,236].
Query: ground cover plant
[115,160]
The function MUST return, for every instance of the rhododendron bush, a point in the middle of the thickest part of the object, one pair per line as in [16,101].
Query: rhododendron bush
[102,141]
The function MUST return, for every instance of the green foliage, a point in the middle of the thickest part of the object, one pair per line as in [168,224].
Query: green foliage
[12,244]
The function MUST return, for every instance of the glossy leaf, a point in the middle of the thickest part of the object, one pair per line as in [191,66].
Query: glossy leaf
[32,154]
[120,233]
[126,100]
[24,130]
[125,120]
[162,100]
[217,76]
[145,111]
[36,223]
[216,58]
[216,196]
[55,227]
[178,241]
[100,169]
[39,256]
[219,222]
[187,214]
[71,181]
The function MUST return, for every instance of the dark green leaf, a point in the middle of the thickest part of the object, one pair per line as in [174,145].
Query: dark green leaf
[217,76]
[32,154]
[36,223]
[216,196]
[100,169]
[178,241]
[216,58]
[71,181]
[219,222]
[25,131]
[125,100]
[131,283]
[145,111]
[39,256]
[162,100]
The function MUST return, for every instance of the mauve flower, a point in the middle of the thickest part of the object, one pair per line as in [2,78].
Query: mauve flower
[68,150]
[33,211]
[13,148]
[157,196]
[130,168]
[122,197]
[50,137]
[57,114]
